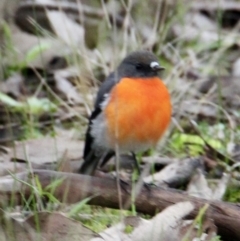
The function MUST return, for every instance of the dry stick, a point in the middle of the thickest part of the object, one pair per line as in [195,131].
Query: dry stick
[75,187]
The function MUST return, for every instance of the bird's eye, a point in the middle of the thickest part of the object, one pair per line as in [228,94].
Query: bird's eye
[139,66]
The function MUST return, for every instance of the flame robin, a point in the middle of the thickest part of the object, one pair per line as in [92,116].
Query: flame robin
[131,112]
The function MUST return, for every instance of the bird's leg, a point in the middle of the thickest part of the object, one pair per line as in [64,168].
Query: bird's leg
[105,157]
[140,174]
[137,166]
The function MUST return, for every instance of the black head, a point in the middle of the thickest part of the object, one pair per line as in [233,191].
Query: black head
[139,64]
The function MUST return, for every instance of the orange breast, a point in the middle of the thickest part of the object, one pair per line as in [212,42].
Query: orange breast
[139,110]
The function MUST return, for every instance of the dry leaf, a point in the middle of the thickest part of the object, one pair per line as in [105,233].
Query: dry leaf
[56,226]
[47,150]
[66,29]
[164,225]
[198,186]
[221,187]
[175,174]
[44,226]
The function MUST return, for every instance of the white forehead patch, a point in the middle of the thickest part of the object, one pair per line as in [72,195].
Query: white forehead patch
[154,64]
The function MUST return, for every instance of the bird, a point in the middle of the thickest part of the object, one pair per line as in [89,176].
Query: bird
[132,111]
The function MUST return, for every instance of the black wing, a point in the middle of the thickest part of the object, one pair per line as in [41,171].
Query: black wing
[90,159]
[104,89]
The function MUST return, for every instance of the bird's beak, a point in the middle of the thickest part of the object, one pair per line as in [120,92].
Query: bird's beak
[156,67]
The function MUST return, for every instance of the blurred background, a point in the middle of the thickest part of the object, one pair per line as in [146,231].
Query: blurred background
[54,54]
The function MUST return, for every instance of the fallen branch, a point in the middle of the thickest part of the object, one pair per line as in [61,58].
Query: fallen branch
[73,188]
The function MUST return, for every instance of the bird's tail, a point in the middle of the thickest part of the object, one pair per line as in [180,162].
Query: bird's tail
[89,165]
[91,162]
